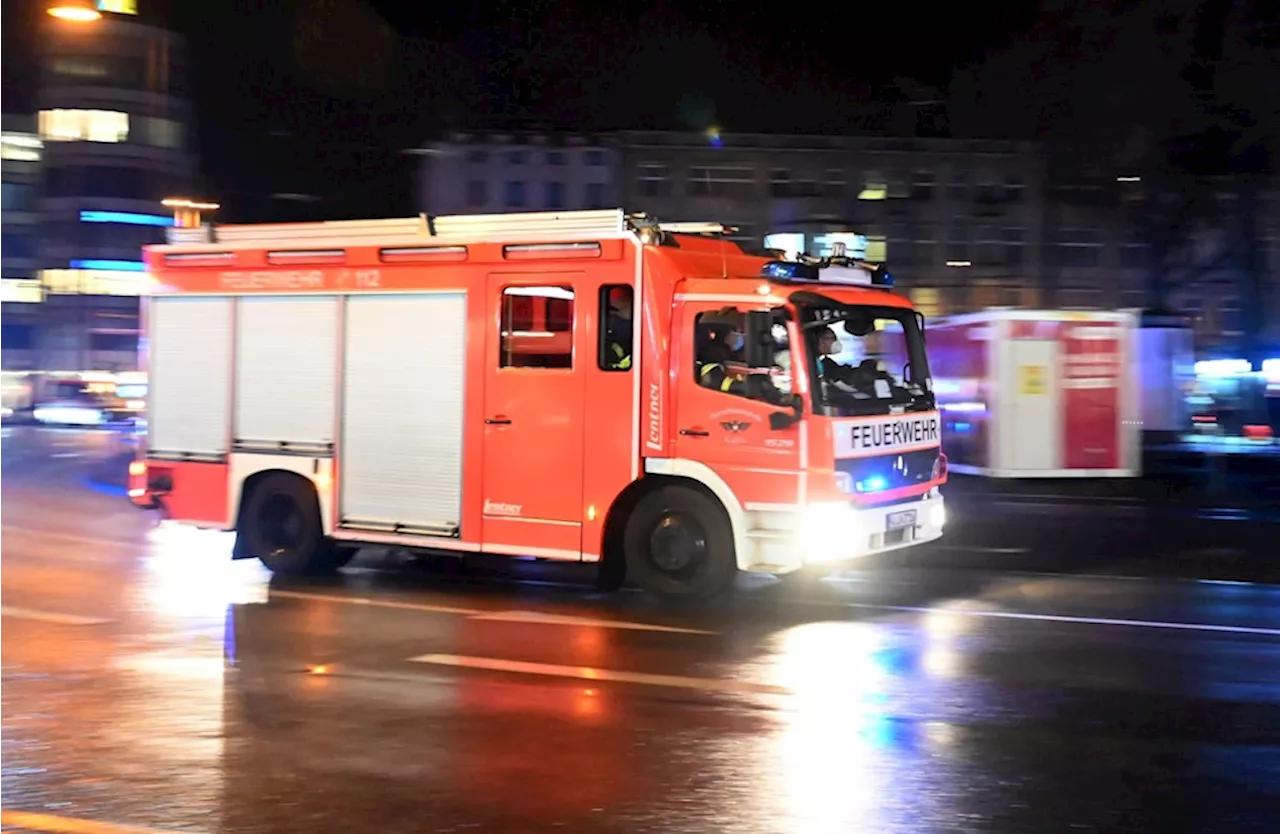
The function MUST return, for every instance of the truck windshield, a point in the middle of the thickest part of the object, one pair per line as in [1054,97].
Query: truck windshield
[865,360]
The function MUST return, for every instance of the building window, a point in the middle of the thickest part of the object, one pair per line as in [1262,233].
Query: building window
[17,245]
[1230,316]
[595,158]
[553,195]
[1079,248]
[477,193]
[927,301]
[84,125]
[922,186]
[834,184]
[516,157]
[94,282]
[1082,298]
[113,342]
[18,196]
[1134,255]
[537,327]
[731,183]
[1014,243]
[875,186]
[959,237]
[595,195]
[20,147]
[779,183]
[515,196]
[17,336]
[958,190]
[1014,188]
[162,133]
[654,180]
[555,157]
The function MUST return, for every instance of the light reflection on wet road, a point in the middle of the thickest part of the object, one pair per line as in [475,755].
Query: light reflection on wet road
[149,681]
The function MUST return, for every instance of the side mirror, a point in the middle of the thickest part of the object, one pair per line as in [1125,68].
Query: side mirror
[779,420]
[758,343]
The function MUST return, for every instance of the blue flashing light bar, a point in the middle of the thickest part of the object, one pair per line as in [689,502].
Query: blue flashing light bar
[128,217]
[864,273]
[116,266]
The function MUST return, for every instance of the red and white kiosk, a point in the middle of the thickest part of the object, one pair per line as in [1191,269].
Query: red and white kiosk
[1038,393]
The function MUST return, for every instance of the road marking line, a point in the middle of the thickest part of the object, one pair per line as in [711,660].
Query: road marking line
[49,616]
[483,614]
[72,537]
[566,619]
[1064,618]
[376,603]
[71,825]
[1006,551]
[588,673]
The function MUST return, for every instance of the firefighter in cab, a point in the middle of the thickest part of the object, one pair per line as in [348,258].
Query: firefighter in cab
[618,330]
[721,358]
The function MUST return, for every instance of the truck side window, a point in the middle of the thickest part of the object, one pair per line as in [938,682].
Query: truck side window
[719,360]
[537,327]
[617,306]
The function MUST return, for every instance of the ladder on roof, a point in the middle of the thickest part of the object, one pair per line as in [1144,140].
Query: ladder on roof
[461,227]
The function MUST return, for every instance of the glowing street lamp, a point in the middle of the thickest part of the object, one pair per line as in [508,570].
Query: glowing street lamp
[76,11]
[186,212]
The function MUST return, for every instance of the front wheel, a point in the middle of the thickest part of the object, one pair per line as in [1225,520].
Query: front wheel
[678,543]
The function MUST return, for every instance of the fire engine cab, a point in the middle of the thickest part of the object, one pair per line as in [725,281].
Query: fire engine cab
[587,386]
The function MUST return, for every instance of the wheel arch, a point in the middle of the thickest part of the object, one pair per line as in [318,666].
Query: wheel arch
[660,472]
[245,489]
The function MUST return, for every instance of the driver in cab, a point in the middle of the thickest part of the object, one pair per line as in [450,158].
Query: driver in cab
[861,378]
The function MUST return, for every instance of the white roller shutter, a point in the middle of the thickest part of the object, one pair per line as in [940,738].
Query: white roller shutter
[404,381]
[189,362]
[286,371]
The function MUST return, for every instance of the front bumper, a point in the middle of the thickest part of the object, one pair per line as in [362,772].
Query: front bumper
[835,533]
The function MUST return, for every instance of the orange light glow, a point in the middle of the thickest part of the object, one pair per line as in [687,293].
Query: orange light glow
[75,12]
[320,670]
[137,467]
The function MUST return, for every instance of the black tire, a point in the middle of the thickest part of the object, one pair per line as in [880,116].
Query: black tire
[679,543]
[280,525]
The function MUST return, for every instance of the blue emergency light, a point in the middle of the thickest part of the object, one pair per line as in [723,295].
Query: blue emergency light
[850,272]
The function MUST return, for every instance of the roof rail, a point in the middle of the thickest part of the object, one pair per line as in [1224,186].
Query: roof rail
[494,227]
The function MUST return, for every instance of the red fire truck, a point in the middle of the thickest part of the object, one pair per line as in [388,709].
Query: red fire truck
[587,386]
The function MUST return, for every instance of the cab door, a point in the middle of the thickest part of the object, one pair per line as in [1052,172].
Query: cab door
[730,432]
[533,413]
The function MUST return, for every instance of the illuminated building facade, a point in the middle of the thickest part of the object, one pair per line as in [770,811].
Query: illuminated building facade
[114,130]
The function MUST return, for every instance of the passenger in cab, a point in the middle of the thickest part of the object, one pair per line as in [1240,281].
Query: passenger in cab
[618,328]
[721,364]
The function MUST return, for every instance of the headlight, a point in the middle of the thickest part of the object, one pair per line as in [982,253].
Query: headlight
[938,515]
[829,532]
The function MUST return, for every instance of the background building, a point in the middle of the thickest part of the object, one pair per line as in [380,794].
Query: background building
[478,173]
[115,127]
[20,151]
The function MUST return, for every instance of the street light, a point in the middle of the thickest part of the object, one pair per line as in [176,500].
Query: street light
[76,11]
[186,212]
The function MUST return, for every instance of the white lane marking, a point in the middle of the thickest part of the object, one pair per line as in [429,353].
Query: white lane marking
[483,614]
[70,825]
[566,619]
[376,603]
[1048,496]
[589,673]
[1064,618]
[72,537]
[49,616]
[1006,551]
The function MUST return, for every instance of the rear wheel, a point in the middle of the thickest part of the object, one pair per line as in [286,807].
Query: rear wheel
[280,524]
[679,543]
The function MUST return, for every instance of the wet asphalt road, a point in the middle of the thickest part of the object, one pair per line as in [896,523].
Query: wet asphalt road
[1045,671]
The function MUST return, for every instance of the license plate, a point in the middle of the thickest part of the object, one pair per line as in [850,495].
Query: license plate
[900,519]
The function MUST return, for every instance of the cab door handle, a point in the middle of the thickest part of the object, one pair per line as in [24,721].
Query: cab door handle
[498,421]
[695,433]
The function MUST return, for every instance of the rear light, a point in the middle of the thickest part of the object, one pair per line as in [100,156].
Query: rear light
[939,467]
[138,467]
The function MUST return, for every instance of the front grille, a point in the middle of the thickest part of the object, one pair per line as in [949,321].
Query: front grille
[888,472]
